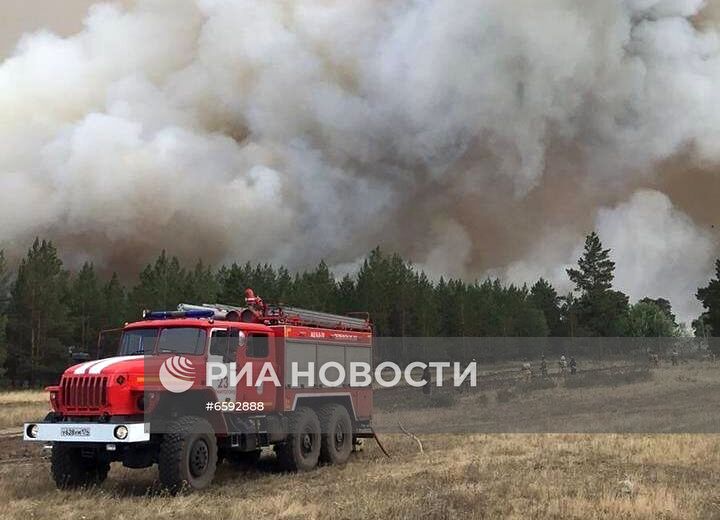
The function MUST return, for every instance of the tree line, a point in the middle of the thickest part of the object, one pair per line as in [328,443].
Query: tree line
[47,312]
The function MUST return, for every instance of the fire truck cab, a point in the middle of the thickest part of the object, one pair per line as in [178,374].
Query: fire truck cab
[193,387]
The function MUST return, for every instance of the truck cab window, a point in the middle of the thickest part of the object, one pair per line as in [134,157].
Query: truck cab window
[138,342]
[182,340]
[258,346]
[219,343]
[224,343]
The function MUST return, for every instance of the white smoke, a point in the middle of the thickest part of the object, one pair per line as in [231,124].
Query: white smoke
[659,252]
[294,131]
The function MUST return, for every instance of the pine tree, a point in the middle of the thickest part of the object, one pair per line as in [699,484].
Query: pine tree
[317,289]
[372,290]
[600,311]
[596,270]
[161,285]
[114,308]
[3,347]
[233,281]
[263,281]
[425,320]
[568,314]
[283,285]
[400,290]
[38,313]
[4,299]
[346,295]
[86,307]
[709,296]
[201,285]
[4,284]
[544,298]
[113,313]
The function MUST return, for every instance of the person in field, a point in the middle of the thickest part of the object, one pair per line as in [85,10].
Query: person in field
[653,358]
[526,370]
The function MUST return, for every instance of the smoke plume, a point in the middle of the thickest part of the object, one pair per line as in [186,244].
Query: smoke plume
[473,137]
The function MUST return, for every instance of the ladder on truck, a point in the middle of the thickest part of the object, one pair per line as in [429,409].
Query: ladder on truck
[257,311]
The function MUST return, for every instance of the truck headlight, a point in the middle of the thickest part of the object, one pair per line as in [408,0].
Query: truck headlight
[121,432]
[33,430]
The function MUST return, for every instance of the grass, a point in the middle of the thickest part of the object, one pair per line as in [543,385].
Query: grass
[527,475]
[667,400]
[20,406]
[13,416]
[23,397]
[616,378]
[483,476]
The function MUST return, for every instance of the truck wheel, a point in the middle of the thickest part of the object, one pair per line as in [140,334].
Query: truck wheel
[70,469]
[337,435]
[188,455]
[301,450]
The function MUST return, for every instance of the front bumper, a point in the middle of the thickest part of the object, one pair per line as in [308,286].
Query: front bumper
[86,432]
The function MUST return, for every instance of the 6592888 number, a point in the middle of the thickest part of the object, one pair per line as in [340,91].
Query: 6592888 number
[236,406]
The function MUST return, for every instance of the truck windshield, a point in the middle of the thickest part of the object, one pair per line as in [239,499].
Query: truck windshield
[176,340]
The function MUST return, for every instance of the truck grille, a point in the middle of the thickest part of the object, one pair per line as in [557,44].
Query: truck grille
[83,393]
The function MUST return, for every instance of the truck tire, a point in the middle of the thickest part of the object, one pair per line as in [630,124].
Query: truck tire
[70,469]
[188,455]
[337,434]
[301,450]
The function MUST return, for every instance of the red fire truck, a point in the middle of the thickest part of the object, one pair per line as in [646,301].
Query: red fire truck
[154,402]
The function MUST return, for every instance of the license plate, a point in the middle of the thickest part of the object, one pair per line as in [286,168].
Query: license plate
[74,432]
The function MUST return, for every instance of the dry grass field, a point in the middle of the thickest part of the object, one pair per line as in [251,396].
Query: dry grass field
[458,476]
[17,406]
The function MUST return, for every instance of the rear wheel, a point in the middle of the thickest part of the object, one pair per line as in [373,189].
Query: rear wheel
[188,455]
[301,450]
[71,469]
[337,435]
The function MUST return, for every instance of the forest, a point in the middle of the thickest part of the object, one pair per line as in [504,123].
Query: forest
[47,312]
